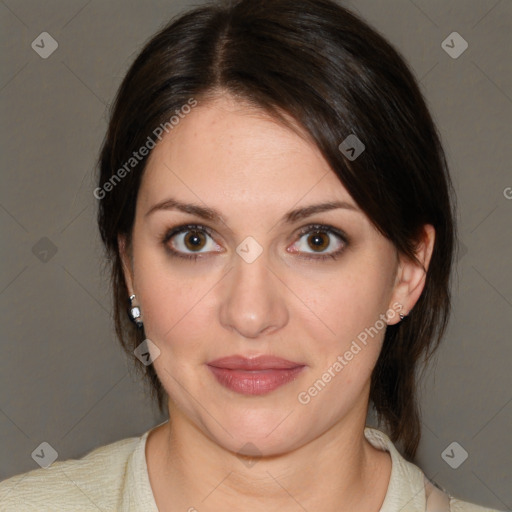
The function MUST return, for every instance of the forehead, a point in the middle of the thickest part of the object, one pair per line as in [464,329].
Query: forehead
[227,154]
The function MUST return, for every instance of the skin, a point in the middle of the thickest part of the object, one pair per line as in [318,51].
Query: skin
[253,170]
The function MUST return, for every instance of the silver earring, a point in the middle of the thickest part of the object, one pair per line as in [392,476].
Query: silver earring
[135,313]
[402,316]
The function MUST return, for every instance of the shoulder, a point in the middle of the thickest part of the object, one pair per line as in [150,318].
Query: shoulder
[464,506]
[75,484]
[409,489]
[438,500]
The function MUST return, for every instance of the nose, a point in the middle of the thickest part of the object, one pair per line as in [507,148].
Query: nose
[254,299]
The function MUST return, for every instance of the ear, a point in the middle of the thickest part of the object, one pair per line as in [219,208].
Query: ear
[411,277]
[126,259]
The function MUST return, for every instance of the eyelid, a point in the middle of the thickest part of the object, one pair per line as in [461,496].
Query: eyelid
[169,233]
[322,228]
[184,228]
[310,228]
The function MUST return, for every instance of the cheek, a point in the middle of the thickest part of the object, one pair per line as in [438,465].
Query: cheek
[345,343]
[346,306]
[172,299]
[346,340]
[174,312]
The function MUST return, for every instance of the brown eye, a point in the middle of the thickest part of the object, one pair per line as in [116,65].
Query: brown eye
[194,240]
[315,240]
[190,242]
[318,241]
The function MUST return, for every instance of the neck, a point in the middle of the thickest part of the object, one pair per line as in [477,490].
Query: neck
[338,471]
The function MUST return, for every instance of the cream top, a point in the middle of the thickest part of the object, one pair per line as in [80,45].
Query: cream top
[115,477]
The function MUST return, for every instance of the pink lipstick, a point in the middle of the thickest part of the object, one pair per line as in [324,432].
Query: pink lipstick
[254,376]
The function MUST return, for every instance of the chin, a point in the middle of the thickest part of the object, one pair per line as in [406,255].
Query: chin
[258,433]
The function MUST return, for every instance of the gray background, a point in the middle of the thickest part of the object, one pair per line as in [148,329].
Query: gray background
[63,378]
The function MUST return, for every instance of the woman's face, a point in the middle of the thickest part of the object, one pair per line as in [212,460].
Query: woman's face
[261,284]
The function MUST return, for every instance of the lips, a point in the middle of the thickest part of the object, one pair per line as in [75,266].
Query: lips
[254,376]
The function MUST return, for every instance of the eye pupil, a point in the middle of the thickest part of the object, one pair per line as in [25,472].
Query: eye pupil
[318,243]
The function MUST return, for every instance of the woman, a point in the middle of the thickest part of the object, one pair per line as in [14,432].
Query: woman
[277,212]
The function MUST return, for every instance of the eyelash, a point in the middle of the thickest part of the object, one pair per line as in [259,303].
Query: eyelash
[312,228]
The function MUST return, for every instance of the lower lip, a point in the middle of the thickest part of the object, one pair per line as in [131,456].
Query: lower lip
[256,382]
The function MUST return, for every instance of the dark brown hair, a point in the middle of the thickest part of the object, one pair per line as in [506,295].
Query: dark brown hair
[334,75]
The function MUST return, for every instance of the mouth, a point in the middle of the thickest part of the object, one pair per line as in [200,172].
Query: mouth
[254,376]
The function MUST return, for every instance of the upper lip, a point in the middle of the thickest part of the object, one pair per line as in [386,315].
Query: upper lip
[262,362]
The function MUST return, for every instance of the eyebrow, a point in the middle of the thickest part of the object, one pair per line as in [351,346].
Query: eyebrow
[215,216]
